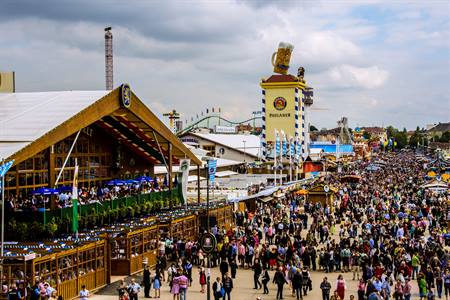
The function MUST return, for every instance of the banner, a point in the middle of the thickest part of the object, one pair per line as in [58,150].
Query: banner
[212,166]
[184,173]
[75,200]
[3,169]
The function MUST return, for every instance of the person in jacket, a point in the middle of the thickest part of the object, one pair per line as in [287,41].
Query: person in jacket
[223,268]
[217,289]
[233,268]
[325,286]
[280,281]
[147,282]
[265,280]
[297,284]
[227,286]
[257,270]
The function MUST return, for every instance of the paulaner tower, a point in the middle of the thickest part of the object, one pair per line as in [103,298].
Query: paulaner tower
[283,102]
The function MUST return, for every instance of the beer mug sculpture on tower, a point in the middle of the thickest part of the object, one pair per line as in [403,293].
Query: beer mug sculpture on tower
[281,58]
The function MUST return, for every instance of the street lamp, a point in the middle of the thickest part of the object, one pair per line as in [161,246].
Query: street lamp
[244,141]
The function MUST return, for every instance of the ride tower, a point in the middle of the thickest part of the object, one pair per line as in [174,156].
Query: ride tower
[283,104]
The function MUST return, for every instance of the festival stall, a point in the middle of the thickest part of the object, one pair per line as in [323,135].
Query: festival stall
[65,264]
[322,194]
[131,246]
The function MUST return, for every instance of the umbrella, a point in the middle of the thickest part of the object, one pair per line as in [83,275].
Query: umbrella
[131,181]
[116,182]
[64,189]
[144,178]
[45,191]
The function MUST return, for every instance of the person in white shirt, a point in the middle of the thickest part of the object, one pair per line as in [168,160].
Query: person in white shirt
[84,293]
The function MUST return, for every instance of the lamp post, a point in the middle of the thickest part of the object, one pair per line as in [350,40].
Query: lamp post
[244,141]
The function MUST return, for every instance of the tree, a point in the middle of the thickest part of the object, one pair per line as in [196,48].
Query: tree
[415,138]
[445,138]
[313,128]
[367,135]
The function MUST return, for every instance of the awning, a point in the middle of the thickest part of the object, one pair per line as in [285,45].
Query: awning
[266,199]
[225,173]
[193,178]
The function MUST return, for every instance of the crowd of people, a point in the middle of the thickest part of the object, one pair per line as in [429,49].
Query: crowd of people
[93,194]
[383,229]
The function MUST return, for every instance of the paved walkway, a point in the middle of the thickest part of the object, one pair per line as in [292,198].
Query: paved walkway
[244,288]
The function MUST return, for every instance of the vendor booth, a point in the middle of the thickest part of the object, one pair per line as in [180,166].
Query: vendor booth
[323,194]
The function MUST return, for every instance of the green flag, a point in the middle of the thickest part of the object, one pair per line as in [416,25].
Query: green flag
[75,201]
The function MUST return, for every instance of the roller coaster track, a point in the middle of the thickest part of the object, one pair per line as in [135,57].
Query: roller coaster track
[218,118]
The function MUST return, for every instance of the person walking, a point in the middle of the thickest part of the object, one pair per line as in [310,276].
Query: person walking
[325,286]
[340,286]
[202,279]
[398,290]
[157,284]
[217,288]
[257,270]
[183,282]
[223,268]
[407,287]
[233,268]
[147,282]
[265,280]
[306,278]
[361,289]
[133,289]
[297,284]
[280,281]
[175,288]
[227,286]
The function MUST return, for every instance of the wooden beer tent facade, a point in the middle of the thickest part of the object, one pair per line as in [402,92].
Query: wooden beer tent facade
[117,138]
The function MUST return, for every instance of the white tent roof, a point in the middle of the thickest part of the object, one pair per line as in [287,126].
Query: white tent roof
[235,141]
[25,117]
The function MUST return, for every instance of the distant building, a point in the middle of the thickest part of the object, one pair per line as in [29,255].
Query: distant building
[376,132]
[236,147]
[327,135]
[438,130]
[244,129]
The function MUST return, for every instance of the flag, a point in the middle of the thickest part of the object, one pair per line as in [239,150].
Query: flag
[212,166]
[184,173]
[5,167]
[292,147]
[284,146]
[75,200]
[277,144]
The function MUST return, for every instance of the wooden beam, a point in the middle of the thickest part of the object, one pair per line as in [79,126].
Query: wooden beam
[170,175]
[141,111]
[102,107]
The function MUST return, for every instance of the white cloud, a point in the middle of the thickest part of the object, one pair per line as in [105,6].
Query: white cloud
[348,76]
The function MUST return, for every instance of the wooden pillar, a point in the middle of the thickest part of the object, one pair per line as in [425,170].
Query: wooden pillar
[170,176]
[198,184]
[51,172]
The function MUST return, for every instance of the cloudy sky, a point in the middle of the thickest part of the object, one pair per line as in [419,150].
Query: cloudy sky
[376,62]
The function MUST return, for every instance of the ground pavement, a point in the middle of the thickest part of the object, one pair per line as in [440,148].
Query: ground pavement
[243,287]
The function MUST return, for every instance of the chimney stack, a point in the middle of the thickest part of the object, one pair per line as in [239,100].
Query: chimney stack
[108,58]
